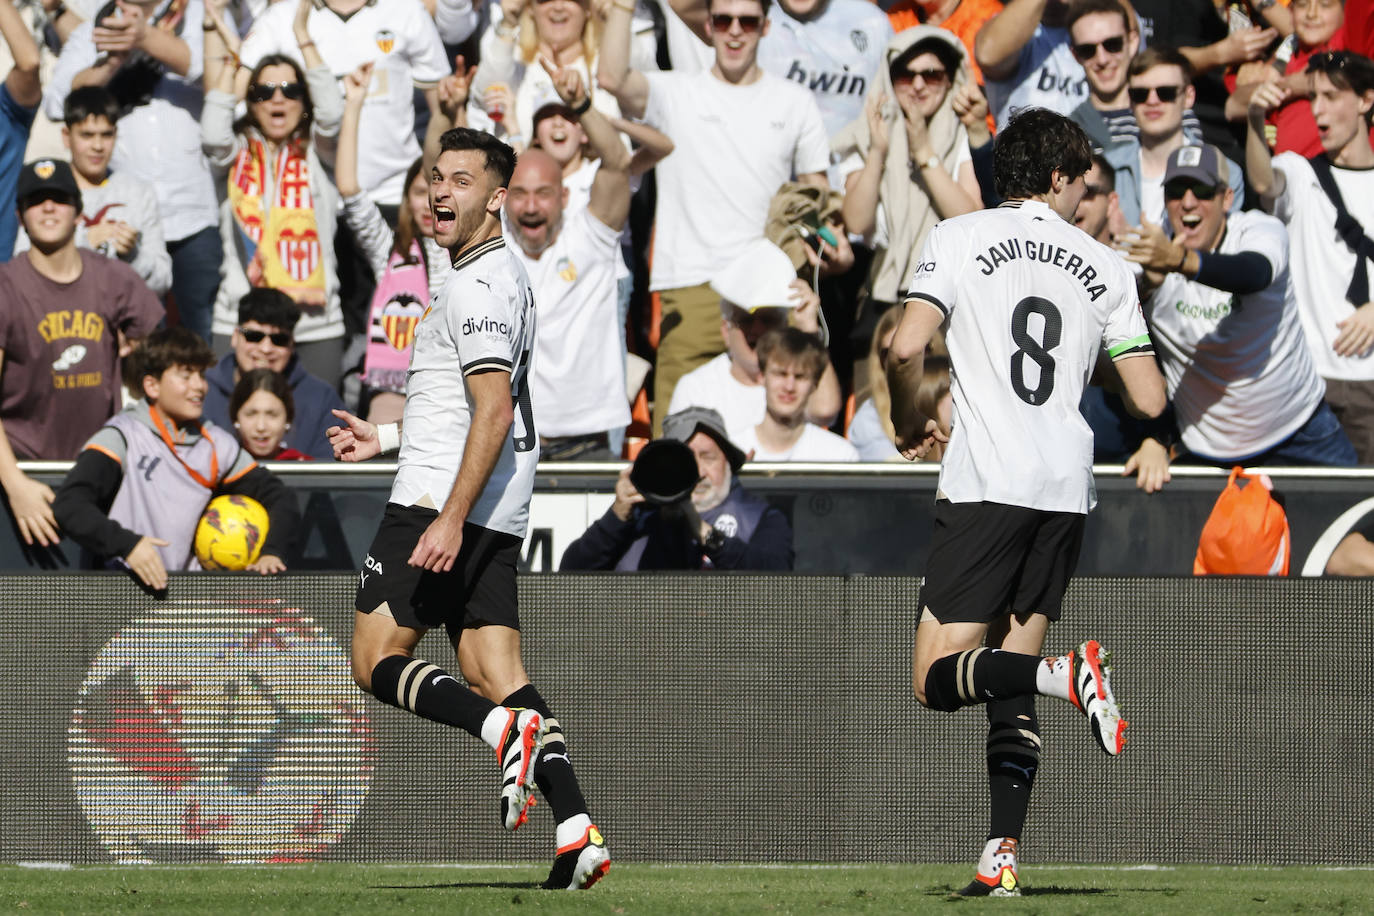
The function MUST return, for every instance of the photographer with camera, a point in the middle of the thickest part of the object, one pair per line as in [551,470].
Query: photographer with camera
[681,507]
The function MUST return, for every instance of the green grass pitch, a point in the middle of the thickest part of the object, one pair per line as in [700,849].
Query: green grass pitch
[677,889]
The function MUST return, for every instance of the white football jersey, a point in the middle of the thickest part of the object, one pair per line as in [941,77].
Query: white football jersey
[481,320]
[836,56]
[1030,300]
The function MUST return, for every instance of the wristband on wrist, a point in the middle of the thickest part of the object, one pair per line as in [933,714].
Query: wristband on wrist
[305,44]
[581,107]
[388,437]
[1182,261]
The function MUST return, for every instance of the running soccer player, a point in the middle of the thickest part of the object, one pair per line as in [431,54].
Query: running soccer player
[1029,299]
[445,551]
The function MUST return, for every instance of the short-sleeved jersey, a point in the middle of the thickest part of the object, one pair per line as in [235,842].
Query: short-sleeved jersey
[1030,301]
[835,55]
[401,41]
[736,145]
[1240,376]
[481,320]
[1322,262]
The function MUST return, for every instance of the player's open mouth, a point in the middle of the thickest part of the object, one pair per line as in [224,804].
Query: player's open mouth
[443,217]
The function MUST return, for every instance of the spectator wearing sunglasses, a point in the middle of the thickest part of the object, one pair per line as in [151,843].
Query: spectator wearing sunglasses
[1331,243]
[1160,90]
[263,339]
[1224,319]
[709,205]
[148,54]
[1103,38]
[909,163]
[278,202]
[1025,57]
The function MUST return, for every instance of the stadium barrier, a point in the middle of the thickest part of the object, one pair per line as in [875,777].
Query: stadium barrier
[710,717]
[846,519]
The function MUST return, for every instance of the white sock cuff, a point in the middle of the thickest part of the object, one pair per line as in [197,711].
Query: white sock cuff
[572,830]
[494,725]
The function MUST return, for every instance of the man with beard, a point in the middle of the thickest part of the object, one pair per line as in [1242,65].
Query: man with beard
[446,549]
[578,377]
[719,526]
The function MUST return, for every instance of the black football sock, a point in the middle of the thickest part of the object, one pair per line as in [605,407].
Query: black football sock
[427,690]
[979,675]
[1013,757]
[554,772]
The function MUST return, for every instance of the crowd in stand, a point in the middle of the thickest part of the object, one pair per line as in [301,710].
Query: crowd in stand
[728,194]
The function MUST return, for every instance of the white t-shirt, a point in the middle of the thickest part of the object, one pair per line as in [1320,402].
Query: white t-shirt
[1239,372]
[815,444]
[1030,300]
[1047,76]
[712,385]
[834,56]
[401,38]
[1322,263]
[481,320]
[1152,199]
[578,378]
[736,145]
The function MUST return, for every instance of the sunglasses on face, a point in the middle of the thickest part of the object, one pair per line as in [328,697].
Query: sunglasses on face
[1088,49]
[1175,190]
[262,92]
[1165,94]
[932,77]
[279,338]
[721,22]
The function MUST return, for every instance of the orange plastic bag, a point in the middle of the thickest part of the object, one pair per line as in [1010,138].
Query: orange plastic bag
[1247,532]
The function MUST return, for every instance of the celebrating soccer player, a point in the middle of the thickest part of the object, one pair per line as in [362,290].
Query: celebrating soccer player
[1029,299]
[446,549]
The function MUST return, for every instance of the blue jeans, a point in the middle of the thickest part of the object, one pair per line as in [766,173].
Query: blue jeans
[195,278]
[1321,441]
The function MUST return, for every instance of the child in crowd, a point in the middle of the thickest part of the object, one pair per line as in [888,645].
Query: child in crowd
[262,408]
[146,520]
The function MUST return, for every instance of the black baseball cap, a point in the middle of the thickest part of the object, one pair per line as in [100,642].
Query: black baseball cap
[47,176]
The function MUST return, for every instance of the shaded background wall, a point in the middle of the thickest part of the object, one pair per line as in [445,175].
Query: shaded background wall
[710,718]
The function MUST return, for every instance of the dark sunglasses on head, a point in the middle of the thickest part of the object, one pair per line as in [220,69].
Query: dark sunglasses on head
[935,76]
[1175,190]
[1088,49]
[1166,94]
[253,335]
[262,92]
[720,22]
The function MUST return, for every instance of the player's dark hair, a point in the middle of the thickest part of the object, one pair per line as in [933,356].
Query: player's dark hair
[271,307]
[1160,56]
[500,157]
[949,56]
[1080,8]
[168,347]
[1036,143]
[90,102]
[763,3]
[302,131]
[796,347]
[1346,70]
[255,380]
